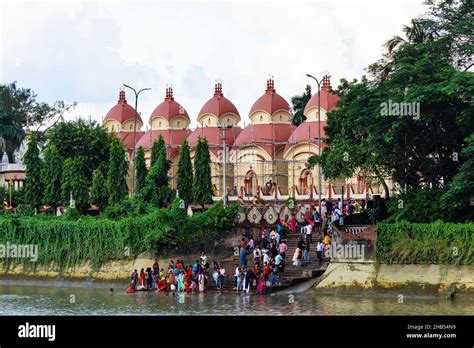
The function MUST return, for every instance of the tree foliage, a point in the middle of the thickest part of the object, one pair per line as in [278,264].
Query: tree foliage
[140,170]
[82,138]
[202,185]
[415,148]
[157,147]
[299,103]
[117,172]
[185,173]
[99,194]
[33,165]
[457,201]
[51,176]
[74,182]
[157,189]
[18,109]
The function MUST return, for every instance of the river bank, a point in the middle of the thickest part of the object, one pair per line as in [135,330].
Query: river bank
[109,271]
[340,278]
[368,277]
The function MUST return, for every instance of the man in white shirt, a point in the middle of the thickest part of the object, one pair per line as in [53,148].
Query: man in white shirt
[266,258]
[256,256]
[319,251]
[309,232]
[203,259]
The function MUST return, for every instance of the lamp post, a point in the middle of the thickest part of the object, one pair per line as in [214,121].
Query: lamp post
[319,138]
[224,159]
[135,131]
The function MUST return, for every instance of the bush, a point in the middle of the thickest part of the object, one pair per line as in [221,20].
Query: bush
[416,205]
[25,210]
[438,243]
[128,207]
[71,214]
[66,243]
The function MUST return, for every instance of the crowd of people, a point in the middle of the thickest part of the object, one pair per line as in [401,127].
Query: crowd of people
[268,254]
[177,277]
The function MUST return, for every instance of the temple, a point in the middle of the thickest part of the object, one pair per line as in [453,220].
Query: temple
[266,159]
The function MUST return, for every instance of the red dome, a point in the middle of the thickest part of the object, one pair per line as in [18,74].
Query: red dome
[263,134]
[218,105]
[328,100]
[212,134]
[169,108]
[270,101]
[122,111]
[172,137]
[306,131]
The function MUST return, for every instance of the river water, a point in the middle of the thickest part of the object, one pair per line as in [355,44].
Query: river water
[39,297]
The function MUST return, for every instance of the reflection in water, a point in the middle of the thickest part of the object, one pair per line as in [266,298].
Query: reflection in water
[53,299]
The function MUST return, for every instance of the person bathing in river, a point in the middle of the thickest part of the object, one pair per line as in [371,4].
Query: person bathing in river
[181,281]
[261,284]
[201,279]
[142,280]
[131,288]
[134,277]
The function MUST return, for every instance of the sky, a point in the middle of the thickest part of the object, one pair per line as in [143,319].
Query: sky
[85,51]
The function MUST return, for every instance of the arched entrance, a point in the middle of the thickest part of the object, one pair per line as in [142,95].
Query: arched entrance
[305,182]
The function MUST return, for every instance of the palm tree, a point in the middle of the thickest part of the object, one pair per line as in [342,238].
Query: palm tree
[299,103]
[418,32]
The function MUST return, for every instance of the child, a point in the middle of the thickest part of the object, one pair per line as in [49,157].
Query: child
[266,271]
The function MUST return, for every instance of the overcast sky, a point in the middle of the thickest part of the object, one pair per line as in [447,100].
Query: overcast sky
[85,51]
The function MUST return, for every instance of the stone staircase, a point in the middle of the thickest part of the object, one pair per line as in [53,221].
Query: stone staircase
[292,274]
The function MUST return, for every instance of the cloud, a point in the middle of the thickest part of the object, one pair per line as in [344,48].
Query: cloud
[85,51]
[68,52]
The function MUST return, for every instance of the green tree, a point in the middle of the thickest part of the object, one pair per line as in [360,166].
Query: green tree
[157,147]
[33,166]
[185,173]
[140,170]
[74,182]
[18,109]
[157,189]
[82,138]
[299,103]
[117,172]
[99,195]
[51,176]
[415,148]
[460,191]
[202,185]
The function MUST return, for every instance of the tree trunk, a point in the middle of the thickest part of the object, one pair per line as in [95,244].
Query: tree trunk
[384,184]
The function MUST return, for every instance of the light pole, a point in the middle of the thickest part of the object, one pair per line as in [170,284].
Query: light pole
[135,131]
[224,159]
[319,138]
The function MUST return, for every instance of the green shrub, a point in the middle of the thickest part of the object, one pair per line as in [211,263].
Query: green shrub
[25,210]
[416,205]
[438,243]
[64,243]
[71,214]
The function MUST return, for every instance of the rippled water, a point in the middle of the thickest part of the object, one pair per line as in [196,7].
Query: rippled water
[55,298]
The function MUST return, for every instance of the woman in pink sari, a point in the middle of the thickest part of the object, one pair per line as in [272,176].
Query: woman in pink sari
[261,284]
[293,224]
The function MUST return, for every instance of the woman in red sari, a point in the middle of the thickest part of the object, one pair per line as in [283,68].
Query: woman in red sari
[142,280]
